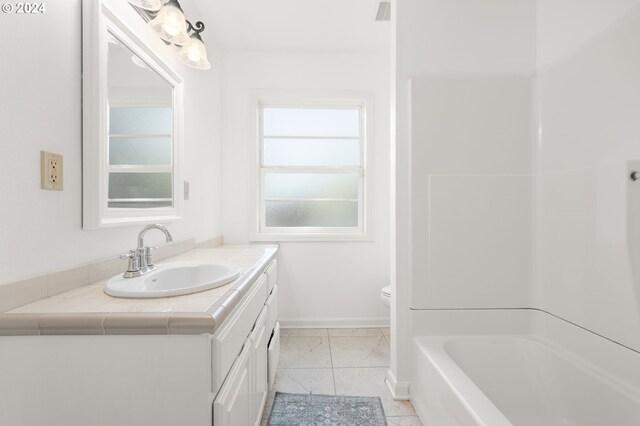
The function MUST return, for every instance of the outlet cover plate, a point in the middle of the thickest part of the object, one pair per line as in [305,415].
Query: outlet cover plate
[51,171]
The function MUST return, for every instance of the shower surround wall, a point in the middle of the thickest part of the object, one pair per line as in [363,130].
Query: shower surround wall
[473,193]
[463,70]
[587,210]
[535,210]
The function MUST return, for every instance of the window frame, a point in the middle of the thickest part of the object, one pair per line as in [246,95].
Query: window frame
[363,101]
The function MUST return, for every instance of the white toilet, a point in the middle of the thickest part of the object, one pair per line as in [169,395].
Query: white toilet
[385,296]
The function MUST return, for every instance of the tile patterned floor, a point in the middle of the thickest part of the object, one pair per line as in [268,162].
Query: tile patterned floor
[339,361]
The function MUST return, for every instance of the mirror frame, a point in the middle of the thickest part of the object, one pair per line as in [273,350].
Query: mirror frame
[98,17]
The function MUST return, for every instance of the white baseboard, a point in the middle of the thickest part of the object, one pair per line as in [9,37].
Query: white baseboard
[399,390]
[334,322]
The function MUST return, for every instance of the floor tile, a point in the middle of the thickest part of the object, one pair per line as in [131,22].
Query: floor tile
[371,351]
[354,332]
[404,421]
[386,331]
[304,352]
[305,380]
[303,332]
[370,382]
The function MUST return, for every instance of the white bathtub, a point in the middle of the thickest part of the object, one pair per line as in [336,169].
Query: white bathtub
[500,380]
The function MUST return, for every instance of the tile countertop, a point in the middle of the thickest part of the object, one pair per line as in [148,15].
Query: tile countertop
[88,310]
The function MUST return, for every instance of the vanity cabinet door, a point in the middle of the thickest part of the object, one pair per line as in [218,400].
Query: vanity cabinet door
[233,405]
[259,339]
[272,306]
[228,341]
[273,354]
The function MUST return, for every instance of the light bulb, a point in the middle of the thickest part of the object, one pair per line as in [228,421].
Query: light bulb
[171,25]
[194,54]
[170,29]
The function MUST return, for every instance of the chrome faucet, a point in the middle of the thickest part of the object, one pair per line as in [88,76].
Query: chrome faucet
[140,259]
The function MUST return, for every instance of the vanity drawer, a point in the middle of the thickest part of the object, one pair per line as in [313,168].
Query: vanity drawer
[233,403]
[272,273]
[272,306]
[227,342]
[273,353]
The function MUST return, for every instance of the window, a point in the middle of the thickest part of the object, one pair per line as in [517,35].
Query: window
[312,169]
[140,157]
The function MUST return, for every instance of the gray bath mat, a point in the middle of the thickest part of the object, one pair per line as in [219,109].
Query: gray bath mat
[292,409]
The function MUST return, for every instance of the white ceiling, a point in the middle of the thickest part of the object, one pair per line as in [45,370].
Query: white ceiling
[294,25]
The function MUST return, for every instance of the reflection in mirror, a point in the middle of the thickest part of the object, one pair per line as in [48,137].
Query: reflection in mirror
[140,132]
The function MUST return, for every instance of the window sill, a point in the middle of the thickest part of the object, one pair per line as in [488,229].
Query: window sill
[111,222]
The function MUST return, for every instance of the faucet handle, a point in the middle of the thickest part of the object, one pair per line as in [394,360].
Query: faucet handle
[128,255]
[133,269]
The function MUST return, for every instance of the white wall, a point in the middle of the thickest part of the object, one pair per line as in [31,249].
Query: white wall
[321,283]
[40,108]
[588,211]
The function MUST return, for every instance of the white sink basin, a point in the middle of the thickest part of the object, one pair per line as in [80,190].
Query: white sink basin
[173,279]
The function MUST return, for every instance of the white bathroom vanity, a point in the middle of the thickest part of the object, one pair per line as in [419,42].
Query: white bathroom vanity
[85,358]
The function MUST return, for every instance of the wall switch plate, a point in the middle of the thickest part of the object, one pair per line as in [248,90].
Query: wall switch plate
[51,171]
[186,190]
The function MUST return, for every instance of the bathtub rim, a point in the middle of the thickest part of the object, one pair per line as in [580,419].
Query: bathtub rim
[618,361]
[481,409]
[441,358]
[617,365]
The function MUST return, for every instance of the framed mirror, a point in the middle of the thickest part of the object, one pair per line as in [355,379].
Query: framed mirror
[132,124]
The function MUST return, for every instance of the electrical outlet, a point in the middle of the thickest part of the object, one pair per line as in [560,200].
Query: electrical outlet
[51,171]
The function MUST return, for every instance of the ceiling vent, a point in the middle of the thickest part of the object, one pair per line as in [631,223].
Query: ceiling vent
[384,11]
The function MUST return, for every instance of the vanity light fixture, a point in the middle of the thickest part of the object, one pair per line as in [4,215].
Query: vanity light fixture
[170,23]
[152,5]
[193,53]
[172,27]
